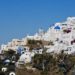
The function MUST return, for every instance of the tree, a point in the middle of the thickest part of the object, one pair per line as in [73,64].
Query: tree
[9,53]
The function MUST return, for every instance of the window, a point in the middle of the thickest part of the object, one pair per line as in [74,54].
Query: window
[26,54]
[69,48]
[25,58]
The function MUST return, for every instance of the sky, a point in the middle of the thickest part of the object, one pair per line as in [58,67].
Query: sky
[21,17]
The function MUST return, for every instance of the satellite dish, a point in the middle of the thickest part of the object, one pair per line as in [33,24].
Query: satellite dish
[4,69]
[12,73]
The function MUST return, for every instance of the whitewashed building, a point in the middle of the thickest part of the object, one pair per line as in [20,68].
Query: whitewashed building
[26,57]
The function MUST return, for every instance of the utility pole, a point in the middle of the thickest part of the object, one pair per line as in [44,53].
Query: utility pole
[43,66]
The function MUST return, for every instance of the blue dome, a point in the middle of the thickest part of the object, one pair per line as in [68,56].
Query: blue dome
[20,49]
[57,27]
[6,61]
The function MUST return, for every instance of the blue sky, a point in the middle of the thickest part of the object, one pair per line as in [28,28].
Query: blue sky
[21,17]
